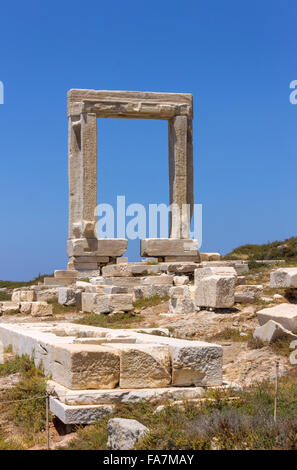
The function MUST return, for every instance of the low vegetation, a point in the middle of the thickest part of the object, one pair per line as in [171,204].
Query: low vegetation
[59,309]
[244,423]
[286,249]
[150,301]
[23,405]
[231,334]
[16,284]
[115,320]
[4,296]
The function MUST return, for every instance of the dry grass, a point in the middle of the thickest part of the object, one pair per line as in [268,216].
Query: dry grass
[146,302]
[26,411]
[245,423]
[230,334]
[115,320]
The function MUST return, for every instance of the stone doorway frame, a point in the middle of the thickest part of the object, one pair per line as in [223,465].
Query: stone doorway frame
[85,251]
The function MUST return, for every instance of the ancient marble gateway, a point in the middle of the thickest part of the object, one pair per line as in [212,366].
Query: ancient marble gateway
[85,251]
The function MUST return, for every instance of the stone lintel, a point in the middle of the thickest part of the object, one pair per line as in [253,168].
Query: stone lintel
[130,104]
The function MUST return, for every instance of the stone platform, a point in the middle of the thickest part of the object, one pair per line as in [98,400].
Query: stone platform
[99,367]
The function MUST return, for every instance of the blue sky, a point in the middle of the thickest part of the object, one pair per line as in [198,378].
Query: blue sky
[237,58]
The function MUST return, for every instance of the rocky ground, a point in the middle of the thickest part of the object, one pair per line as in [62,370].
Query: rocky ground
[232,328]
[244,361]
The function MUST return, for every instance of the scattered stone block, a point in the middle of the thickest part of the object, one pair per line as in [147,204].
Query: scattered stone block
[271,331]
[129,282]
[150,291]
[181,305]
[51,281]
[22,295]
[25,308]
[114,302]
[41,309]
[84,366]
[115,290]
[278,297]
[216,291]
[180,291]
[144,270]
[66,274]
[95,289]
[117,270]
[9,307]
[284,314]
[161,279]
[248,293]
[283,278]
[88,302]
[160,290]
[43,295]
[106,303]
[69,297]
[180,301]
[181,268]
[83,285]
[123,434]
[181,280]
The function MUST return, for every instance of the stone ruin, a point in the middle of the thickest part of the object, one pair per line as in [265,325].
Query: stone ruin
[94,368]
[85,251]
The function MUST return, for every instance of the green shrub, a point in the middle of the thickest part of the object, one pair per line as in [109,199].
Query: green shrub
[286,249]
[4,296]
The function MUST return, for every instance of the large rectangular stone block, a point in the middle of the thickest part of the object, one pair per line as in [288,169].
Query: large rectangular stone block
[65,274]
[78,414]
[143,366]
[120,395]
[285,314]
[130,104]
[159,280]
[69,296]
[85,366]
[23,295]
[283,278]
[88,301]
[41,309]
[106,303]
[248,293]
[215,291]
[117,270]
[9,307]
[162,247]
[112,247]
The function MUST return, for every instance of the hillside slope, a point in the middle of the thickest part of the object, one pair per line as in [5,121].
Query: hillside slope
[286,249]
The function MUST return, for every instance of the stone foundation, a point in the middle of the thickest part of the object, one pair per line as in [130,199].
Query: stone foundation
[99,375]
